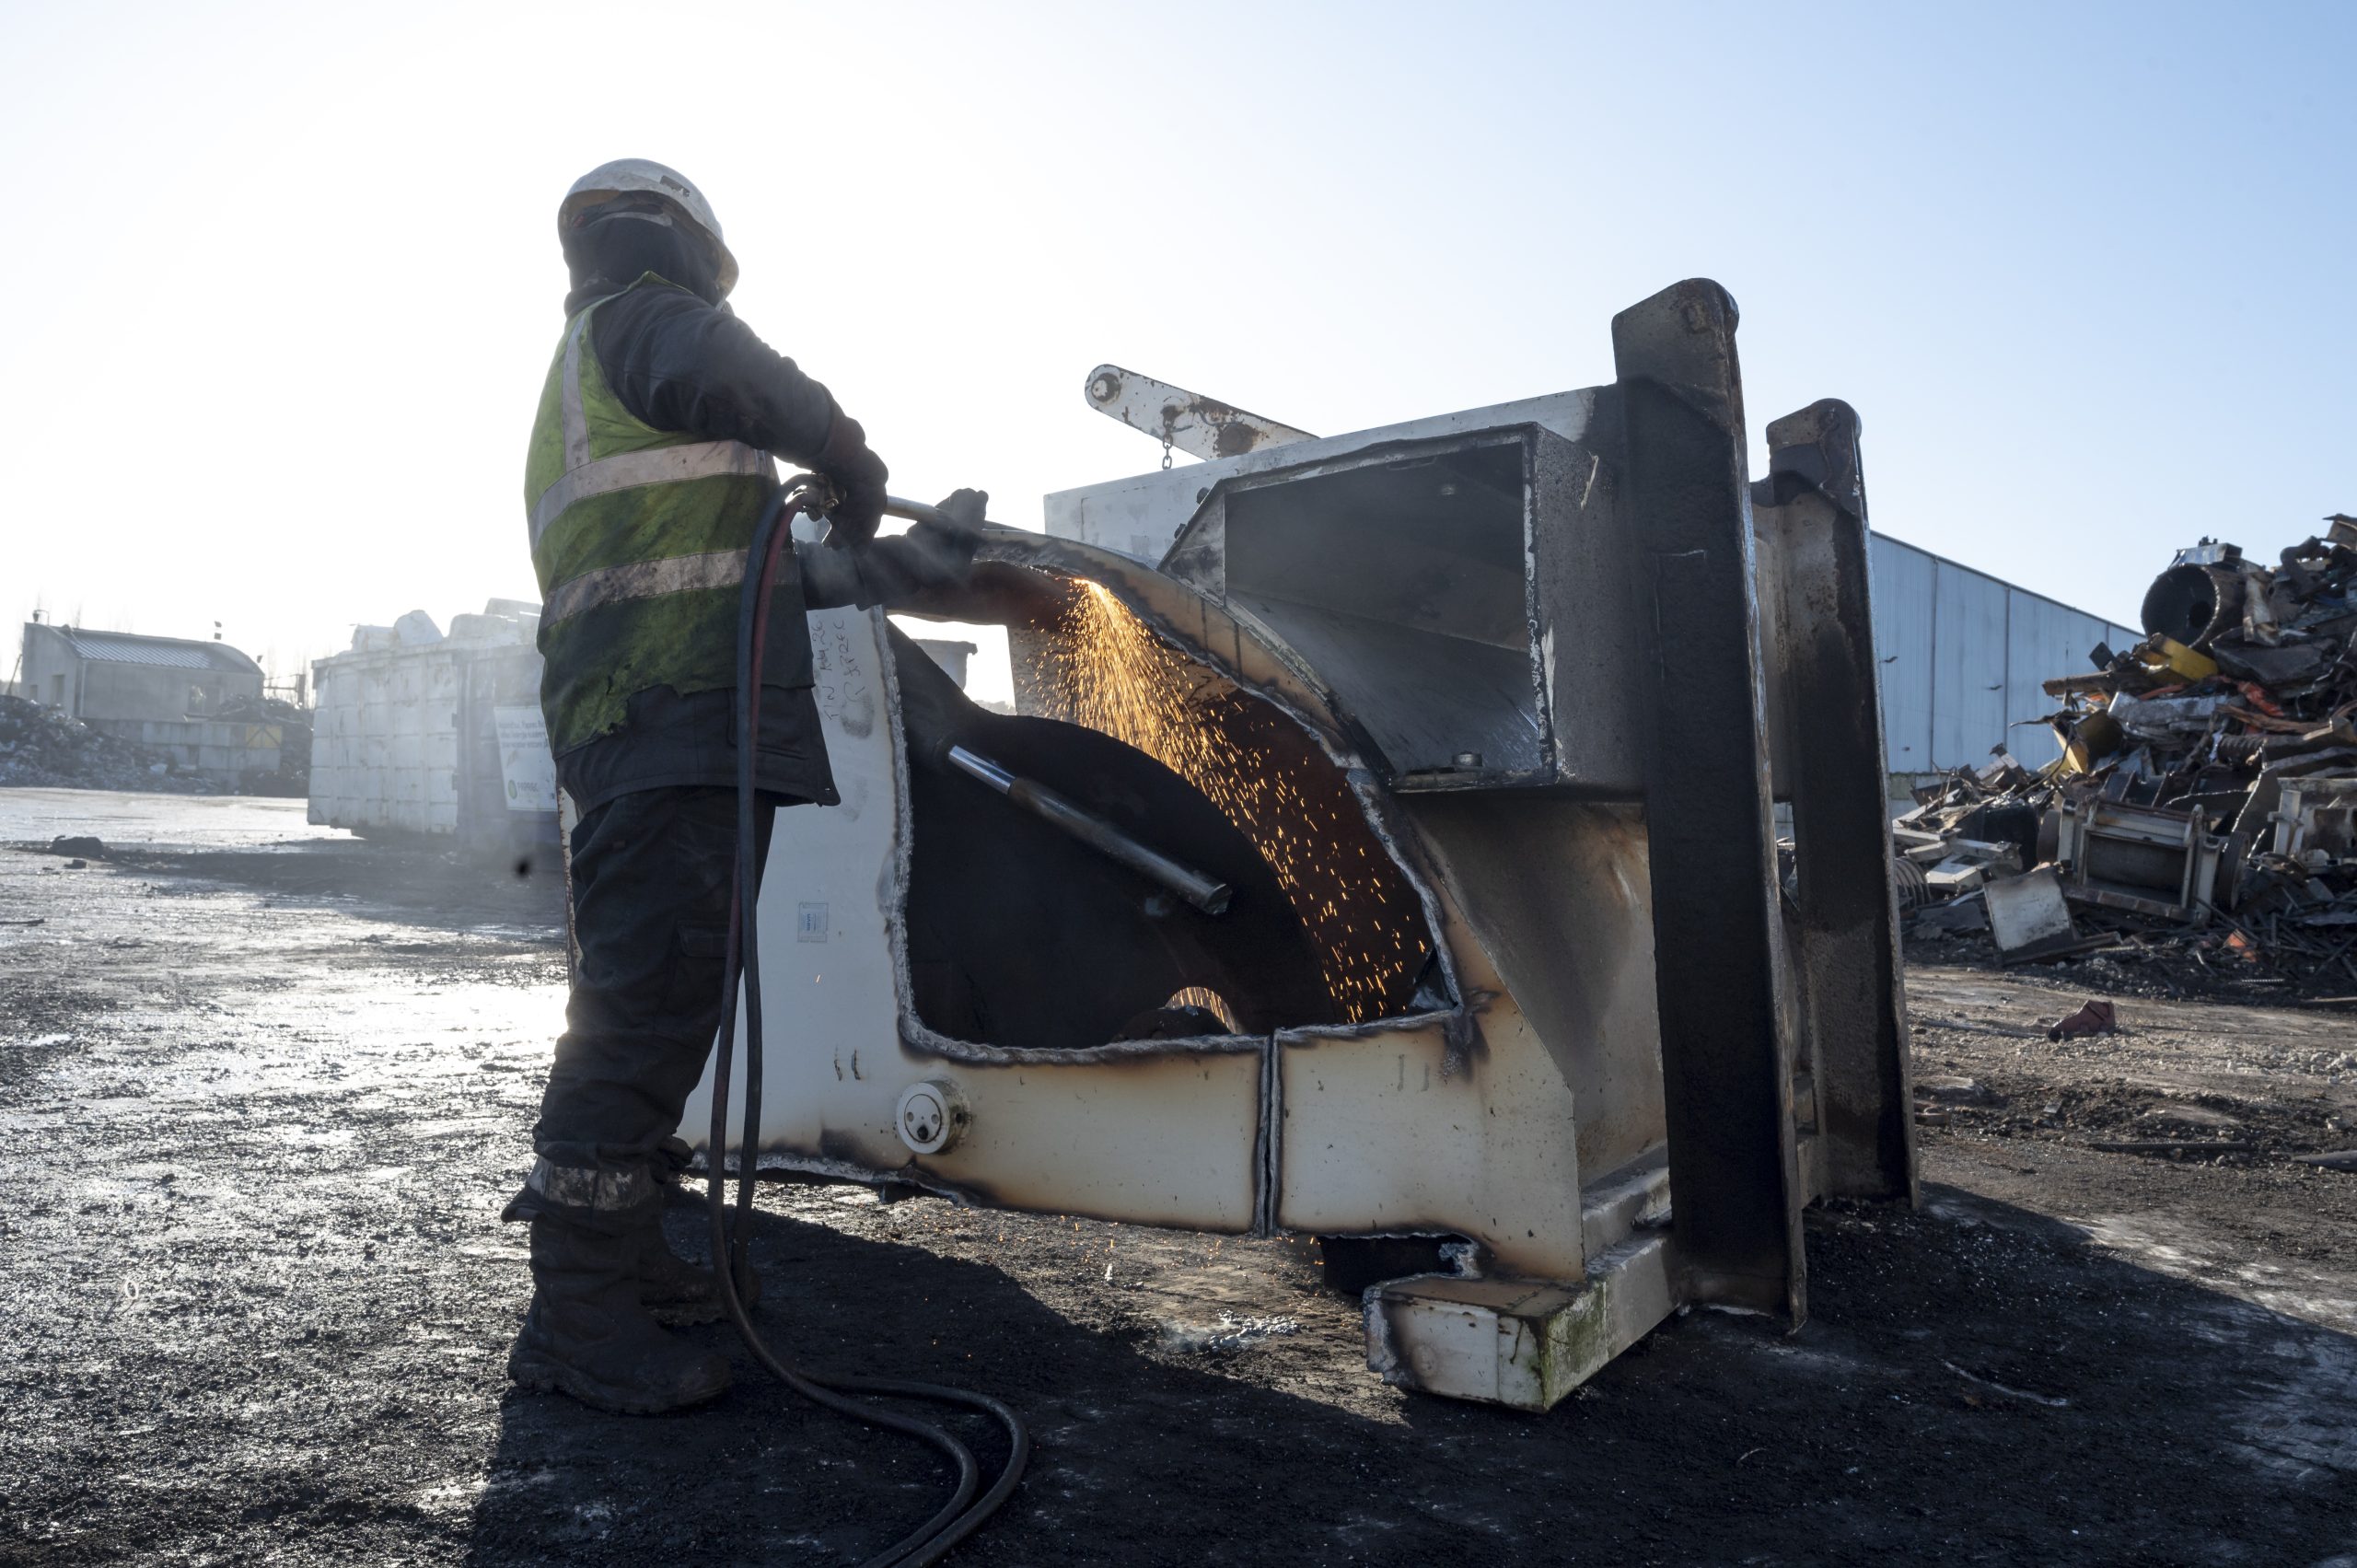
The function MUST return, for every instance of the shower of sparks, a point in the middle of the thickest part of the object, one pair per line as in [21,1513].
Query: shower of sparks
[1210,1001]
[1104,669]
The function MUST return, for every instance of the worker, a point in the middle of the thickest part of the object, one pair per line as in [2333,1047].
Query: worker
[651,462]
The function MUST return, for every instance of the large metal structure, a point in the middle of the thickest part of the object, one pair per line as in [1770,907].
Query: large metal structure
[1482,720]
[1963,656]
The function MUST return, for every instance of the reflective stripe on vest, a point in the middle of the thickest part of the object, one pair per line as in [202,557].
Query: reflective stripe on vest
[585,476]
[643,579]
[627,470]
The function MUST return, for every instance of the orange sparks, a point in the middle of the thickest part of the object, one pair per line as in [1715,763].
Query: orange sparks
[1106,670]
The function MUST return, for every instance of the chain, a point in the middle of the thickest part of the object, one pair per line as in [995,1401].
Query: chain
[1165,449]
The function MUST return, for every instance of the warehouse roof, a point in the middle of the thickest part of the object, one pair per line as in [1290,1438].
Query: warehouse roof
[171,652]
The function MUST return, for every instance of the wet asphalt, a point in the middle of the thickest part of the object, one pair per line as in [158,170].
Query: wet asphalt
[263,1090]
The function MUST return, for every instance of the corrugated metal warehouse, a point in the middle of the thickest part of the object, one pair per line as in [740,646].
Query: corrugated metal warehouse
[1963,658]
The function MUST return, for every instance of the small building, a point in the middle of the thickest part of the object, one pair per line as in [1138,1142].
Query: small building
[200,704]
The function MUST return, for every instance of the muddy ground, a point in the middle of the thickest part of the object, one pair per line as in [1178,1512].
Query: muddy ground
[262,1092]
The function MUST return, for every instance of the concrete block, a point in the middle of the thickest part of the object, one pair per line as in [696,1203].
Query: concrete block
[2028,910]
[1517,1342]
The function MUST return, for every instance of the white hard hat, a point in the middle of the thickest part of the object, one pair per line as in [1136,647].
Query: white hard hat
[630,176]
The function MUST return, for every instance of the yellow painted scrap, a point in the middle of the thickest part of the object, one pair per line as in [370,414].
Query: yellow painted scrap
[2167,653]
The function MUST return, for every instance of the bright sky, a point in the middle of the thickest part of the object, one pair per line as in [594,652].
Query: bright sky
[285,281]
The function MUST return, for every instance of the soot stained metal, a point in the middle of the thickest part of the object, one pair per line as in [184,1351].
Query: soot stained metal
[1480,722]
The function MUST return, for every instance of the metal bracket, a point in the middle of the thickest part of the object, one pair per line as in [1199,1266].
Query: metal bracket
[1810,517]
[1200,426]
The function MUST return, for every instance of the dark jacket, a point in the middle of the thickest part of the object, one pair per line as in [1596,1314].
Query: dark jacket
[678,360]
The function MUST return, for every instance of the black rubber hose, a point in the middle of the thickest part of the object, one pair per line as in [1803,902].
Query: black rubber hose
[965,1512]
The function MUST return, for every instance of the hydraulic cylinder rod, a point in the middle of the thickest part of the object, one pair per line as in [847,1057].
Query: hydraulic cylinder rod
[1207,895]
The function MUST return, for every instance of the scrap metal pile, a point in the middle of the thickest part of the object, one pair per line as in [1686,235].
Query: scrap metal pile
[40,746]
[2202,818]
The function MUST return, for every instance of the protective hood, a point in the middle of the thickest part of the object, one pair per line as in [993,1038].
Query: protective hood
[609,254]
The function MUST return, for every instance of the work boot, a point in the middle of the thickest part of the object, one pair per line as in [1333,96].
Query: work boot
[680,1293]
[586,1334]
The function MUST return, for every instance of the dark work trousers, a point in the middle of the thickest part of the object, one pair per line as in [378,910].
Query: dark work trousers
[651,877]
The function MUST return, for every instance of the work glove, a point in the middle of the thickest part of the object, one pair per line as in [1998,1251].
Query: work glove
[945,549]
[964,512]
[858,476]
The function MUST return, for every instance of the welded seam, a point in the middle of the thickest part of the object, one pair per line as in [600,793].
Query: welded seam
[1406,1023]
[918,1036]
[770,1157]
[892,893]
[1461,1029]
[1265,1155]
[1534,628]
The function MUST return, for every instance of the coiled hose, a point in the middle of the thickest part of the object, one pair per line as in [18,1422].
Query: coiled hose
[965,1511]
[1914,889]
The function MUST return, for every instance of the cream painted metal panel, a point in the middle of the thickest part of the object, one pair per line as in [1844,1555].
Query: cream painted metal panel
[1379,1133]
[1168,1139]
[1512,864]
[827,988]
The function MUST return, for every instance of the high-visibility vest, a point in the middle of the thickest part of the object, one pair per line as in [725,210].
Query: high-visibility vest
[639,538]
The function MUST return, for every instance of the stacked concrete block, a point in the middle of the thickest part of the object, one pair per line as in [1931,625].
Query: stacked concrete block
[404,722]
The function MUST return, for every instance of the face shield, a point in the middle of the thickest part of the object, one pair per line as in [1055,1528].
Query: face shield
[617,242]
